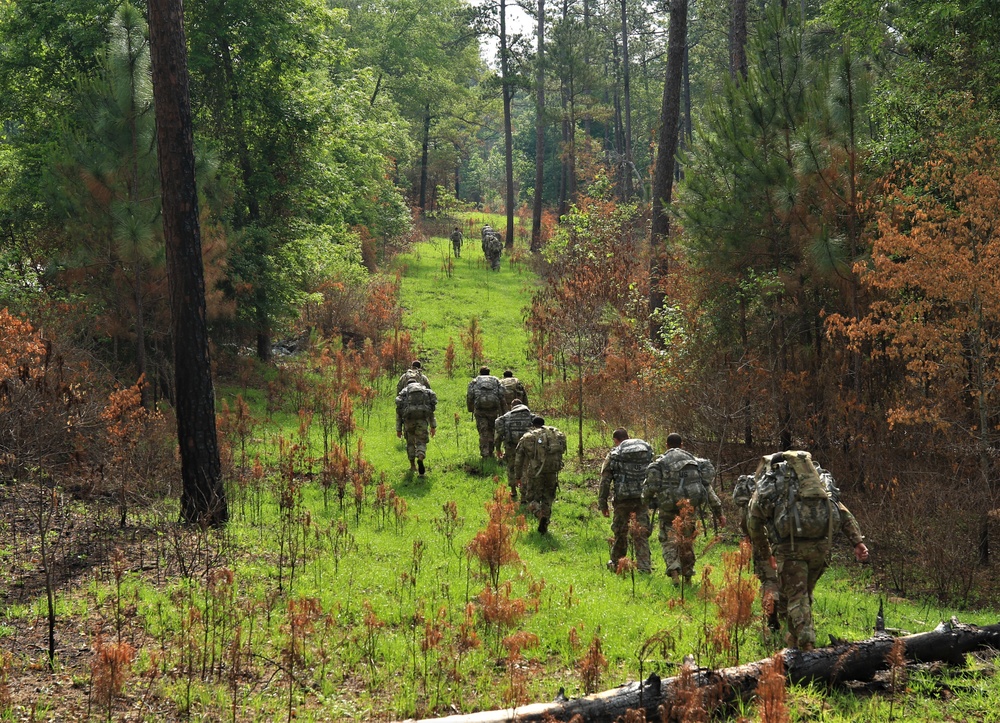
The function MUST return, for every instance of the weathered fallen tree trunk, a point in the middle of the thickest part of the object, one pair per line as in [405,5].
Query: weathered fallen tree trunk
[948,642]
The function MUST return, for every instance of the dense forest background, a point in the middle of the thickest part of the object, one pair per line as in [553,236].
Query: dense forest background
[828,281]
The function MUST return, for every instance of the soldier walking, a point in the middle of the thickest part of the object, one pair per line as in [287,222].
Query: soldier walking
[508,430]
[484,398]
[513,388]
[622,476]
[768,576]
[537,462]
[414,374]
[678,475]
[792,517]
[456,242]
[415,406]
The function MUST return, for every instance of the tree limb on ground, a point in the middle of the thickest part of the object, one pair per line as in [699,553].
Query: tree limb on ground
[948,642]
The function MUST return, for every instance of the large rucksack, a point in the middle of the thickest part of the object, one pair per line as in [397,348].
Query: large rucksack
[629,461]
[487,395]
[416,402]
[552,447]
[513,389]
[684,476]
[409,377]
[743,491]
[804,506]
[517,421]
[494,245]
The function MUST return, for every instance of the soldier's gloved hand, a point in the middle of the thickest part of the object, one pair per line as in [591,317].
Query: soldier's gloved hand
[433,431]
[772,562]
[606,512]
[399,434]
[861,552]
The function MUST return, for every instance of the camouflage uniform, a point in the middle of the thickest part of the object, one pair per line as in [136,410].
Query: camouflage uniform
[657,492]
[513,388]
[508,430]
[768,576]
[493,249]
[485,416]
[456,242]
[538,473]
[412,375]
[801,562]
[624,508]
[416,432]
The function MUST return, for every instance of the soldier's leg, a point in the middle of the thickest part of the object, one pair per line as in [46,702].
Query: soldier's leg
[421,435]
[548,483]
[668,546]
[485,430]
[794,576]
[642,556]
[510,451]
[685,550]
[409,434]
[619,529]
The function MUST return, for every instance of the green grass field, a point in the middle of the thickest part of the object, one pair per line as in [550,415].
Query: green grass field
[371,612]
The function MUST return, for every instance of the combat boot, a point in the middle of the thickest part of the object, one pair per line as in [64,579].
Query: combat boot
[420,466]
[543,525]
[675,576]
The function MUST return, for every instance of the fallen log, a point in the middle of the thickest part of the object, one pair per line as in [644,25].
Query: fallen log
[948,642]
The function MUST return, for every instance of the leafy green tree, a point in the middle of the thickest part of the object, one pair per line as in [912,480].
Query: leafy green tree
[295,125]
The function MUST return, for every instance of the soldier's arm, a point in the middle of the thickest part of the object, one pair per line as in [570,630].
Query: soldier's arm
[849,525]
[519,459]
[399,421]
[651,486]
[425,380]
[499,430]
[714,502]
[470,400]
[605,490]
[758,532]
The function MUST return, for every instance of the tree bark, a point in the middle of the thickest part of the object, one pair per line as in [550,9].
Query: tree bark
[948,642]
[203,497]
[508,137]
[424,152]
[536,207]
[738,40]
[627,99]
[663,178]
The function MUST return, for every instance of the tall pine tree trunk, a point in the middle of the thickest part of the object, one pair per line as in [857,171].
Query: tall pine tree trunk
[423,159]
[203,497]
[627,92]
[508,138]
[663,178]
[536,207]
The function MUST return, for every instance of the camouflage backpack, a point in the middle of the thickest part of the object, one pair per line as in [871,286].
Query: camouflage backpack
[416,402]
[804,507]
[513,389]
[629,461]
[494,245]
[683,476]
[553,446]
[517,421]
[743,491]
[409,377]
[486,393]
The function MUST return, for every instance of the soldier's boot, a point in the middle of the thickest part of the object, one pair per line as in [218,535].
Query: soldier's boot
[543,525]
[420,466]
[413,465]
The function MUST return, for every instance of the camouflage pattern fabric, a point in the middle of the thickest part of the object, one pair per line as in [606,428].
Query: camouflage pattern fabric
[799,570]
[539,476]
[456,242]
[676,558]
[485,425]
[410,376]
[416,432]
[513,388]
[619,528]
[768,576]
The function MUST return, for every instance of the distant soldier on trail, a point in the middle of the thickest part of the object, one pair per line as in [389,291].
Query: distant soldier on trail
[537,462]
[456,242]
[622,477]
[415,406]
[484,398]
[793,515]
[508,430]
[675,475]
[414,374]
[487,231]
[513,388]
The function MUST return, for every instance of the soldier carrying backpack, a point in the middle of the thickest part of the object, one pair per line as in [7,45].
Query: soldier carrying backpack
[622,477]
[508,430]
[674,476]
[537,462]
[493,249]
[484,398]
[513,388]
[415,406]
[743,491]
[792,516]
[414,374]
